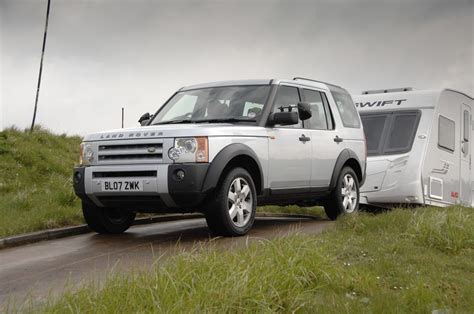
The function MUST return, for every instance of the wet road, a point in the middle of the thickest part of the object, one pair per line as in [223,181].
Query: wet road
[37,270]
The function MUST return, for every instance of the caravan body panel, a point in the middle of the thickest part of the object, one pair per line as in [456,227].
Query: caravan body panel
[405,163]
[447,170]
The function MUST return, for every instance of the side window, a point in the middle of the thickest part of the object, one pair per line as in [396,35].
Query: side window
[466,124]
[446,133]
[329,116]
[287,97]
[346,109]
[318,119]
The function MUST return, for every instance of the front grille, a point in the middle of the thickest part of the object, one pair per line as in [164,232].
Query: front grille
[123,174]
[130,156]
[130,146]
[129,152]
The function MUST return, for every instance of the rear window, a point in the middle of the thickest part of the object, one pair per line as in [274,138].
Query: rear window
[390,133]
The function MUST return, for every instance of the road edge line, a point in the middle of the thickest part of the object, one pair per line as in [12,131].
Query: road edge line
[58,233]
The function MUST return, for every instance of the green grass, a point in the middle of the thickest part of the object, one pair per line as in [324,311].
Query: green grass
[35,182]
[315,211]
[405,260]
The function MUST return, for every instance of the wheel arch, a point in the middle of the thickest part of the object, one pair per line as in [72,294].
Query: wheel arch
[234,155]
[347,158]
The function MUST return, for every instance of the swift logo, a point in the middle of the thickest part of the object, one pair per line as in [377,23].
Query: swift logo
[380,103]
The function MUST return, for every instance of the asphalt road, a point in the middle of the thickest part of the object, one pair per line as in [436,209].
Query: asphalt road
[43,269]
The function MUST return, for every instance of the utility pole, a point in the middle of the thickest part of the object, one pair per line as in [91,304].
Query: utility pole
[41,67]
[123,114]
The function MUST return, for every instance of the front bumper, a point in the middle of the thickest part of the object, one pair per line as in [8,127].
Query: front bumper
[162,189]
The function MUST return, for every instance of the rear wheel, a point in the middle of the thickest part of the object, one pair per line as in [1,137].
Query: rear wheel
[232,212]
[107,220]
[345,196]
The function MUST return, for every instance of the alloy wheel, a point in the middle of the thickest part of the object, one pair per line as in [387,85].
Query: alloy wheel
[240,202]
[349,193]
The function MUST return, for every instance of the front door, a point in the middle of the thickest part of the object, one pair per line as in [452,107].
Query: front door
[289,149]
[465,163]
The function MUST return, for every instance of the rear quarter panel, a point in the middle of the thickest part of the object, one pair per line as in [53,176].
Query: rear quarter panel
[354,138]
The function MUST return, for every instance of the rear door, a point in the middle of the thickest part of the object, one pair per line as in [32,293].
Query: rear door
[465,163]
[289,149]
[321,128]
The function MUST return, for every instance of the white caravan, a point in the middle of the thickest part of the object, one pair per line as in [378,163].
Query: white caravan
[419,147]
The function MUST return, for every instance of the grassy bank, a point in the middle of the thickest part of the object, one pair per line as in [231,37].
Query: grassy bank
[401,261]
[35,181]
[36,186]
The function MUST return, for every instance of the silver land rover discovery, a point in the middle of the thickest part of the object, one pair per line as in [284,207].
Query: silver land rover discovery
[221,149]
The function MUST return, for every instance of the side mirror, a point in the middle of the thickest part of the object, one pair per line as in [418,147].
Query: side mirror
[304,110]
[145,118]
[283,118]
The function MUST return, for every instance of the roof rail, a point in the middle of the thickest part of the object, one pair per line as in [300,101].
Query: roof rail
[307,79]
[389,90]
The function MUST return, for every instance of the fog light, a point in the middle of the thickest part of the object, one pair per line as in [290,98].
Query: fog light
[179,174]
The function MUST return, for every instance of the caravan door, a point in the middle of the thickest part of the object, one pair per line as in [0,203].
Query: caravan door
[465,162]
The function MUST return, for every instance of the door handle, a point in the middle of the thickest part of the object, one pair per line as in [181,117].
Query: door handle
[304,138]
[338,139]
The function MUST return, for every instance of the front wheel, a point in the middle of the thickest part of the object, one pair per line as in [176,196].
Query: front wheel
[232,212]
[107,220]
[345,197]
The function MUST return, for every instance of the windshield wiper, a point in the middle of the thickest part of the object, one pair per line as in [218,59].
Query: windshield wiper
[175,122]
[217,120]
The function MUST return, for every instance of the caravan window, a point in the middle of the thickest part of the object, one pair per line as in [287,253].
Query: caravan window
[390,133]
[373,128]
[402,132]
[466,125]
[446,133]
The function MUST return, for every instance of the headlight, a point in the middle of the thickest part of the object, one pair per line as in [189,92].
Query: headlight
[189,149]
[87,155]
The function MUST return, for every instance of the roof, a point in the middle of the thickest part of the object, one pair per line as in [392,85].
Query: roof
[296,81]
[228,83]
[416,99]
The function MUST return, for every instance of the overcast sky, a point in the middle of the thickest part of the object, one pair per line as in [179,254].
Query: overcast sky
[104,55]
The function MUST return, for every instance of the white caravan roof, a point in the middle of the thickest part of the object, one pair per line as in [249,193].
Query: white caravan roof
[399,100]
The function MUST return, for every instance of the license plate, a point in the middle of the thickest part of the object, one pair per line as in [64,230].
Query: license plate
[122,186]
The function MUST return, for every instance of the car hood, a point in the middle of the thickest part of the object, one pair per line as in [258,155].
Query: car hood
[178,130]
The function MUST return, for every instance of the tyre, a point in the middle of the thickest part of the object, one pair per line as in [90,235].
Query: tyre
[107,220]
[232,212]
[345,197]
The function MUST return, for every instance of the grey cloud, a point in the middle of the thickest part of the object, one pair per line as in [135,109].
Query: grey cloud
[102,55]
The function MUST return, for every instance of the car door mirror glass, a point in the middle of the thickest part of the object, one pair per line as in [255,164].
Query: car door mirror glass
[304,110]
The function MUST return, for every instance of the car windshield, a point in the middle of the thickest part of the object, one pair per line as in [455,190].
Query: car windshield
[215,104]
